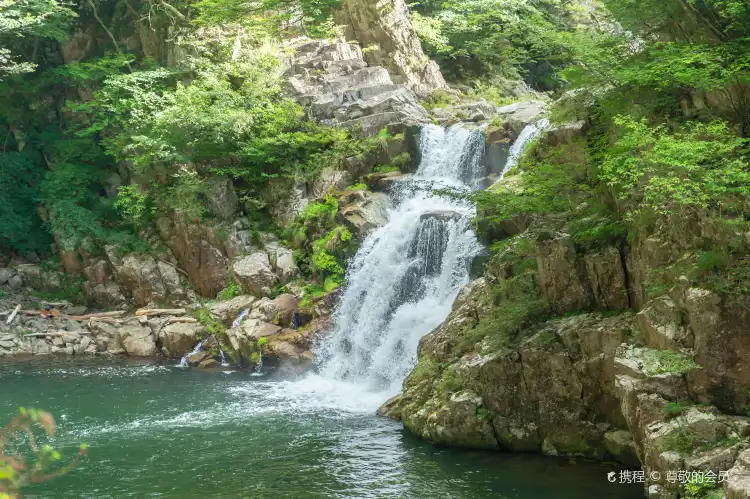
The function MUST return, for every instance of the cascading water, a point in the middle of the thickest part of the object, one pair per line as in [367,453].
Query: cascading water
[185,361]
[528,134]
[402,282]
[224,362]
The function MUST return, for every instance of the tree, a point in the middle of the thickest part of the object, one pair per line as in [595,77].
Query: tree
[21,20]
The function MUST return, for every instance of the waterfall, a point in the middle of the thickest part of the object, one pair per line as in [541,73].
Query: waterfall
[224,362]
[240,317]
[185,361]
[528,134]
[403,280]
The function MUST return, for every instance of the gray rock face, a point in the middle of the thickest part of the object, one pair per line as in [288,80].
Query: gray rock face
[146,280]
[385,29]
[520,114]
[334,82]
[365,211]
[222,199]
[5,275]
[471,111]
[255,274]
[284,264]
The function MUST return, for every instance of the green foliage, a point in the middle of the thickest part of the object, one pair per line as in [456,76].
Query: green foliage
[327,253]
[700,166]
[71,290]
[20,223]
[674,409]
[681,440]
[700,488]
[357,187]
[425,370]
[231,291]
[597,231]
[449,382]
[667,361]
[24,458]
[490,38]
[132,204]
[213,326]
[439,99]
[271,17]
[514,305]
[22,20]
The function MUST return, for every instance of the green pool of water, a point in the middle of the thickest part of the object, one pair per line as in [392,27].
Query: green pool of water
[161,431]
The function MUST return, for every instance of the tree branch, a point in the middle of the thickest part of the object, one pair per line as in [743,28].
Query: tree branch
[111,36]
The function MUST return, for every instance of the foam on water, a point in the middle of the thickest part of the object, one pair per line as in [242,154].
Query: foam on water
[404,278]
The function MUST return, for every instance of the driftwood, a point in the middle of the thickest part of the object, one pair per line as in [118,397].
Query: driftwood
[107,320]
[13,314]
[39,335]
[149,312]
[97,315]
[182,320]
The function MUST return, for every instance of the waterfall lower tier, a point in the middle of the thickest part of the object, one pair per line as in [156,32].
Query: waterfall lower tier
[402,282]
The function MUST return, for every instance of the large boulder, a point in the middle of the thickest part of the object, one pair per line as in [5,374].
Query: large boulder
[227,311]
[364,211]
[520,114]
[136,339]
[335,84]
[255,274]
[200,251]
[179,339]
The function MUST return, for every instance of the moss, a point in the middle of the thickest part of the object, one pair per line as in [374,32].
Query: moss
[484,414]
[514,304]
[449,382]
[667,361]
[426,369]
[675,409]
[386,169]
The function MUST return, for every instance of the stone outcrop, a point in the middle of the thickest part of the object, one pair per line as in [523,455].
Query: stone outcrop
[255,274]
[179,339]
[552,393]
[663,388]
[227,311]
[339,88]
[364,211]
[385,29]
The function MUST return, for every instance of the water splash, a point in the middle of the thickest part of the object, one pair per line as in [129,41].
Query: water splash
[259,365]
[240,317]
[528,134]
[185,361]
[224,362]
[403,280]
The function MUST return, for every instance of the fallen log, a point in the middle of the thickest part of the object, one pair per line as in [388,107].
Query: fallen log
[13,314]
[150,312]
[97,315]
[182,320]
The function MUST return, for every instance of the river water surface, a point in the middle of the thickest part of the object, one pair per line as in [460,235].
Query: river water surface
[162,431]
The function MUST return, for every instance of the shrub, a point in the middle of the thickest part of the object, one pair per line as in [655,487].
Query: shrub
[23,460]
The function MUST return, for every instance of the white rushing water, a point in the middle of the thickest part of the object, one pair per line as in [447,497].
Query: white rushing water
[403,280]
[528,134]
